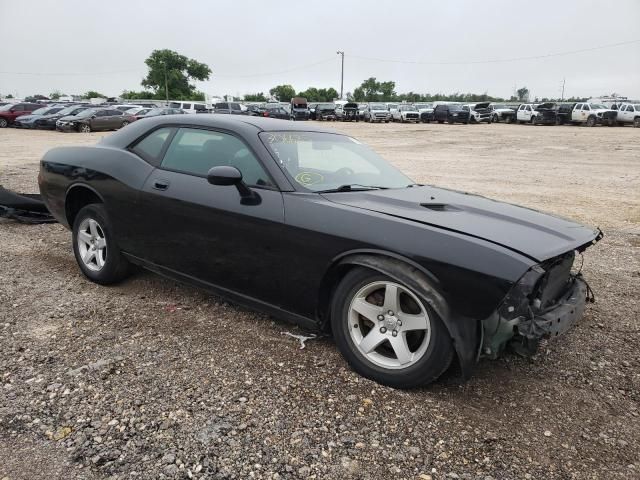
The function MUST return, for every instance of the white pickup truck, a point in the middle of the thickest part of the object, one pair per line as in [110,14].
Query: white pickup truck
[590,114]
[629,113]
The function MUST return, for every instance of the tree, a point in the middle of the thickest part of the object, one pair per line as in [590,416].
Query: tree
[9,96]
[313,94]
[35,98]
[178,71]
[55,95]
[255,97]
[93,94]
[133,95]
[284,93]
[523,94]
[373,91]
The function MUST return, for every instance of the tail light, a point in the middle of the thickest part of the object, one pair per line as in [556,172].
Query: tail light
[265,114]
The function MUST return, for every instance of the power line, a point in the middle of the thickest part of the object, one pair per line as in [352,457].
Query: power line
[301,67]
[503,60]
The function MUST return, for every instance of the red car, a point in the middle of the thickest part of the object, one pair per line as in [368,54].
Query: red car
[11,111]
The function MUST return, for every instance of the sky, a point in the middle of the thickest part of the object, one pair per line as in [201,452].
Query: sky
[252,45]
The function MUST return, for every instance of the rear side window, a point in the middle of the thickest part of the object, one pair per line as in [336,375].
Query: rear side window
[197,106]
[150,147]
[186,106]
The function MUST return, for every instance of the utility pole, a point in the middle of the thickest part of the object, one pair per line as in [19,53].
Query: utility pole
[563,80]
[341,73]
[166,85]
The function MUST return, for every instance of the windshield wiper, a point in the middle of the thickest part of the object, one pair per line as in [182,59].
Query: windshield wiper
[352,187]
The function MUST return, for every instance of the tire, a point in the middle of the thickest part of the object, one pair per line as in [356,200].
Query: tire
[495,119]
[534,119]
[386,121]
[509,120]
[426,353]
[3,123]
[84,128]
[591,121]
[124,124]
[451,121]
[636,122]
[520,122]
[91,229]
[440,121]
[559,121]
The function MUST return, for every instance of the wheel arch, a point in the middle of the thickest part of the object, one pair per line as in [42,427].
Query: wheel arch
[77,196]
[465,333]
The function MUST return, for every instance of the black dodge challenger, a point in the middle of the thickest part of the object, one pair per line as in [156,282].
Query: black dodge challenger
[312,226]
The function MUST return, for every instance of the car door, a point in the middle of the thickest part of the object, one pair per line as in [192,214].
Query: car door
[576,113]
[625,114]
[208,232]
[114,119]
[99,120]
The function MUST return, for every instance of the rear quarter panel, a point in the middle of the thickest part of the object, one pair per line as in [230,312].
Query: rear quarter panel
[115,175]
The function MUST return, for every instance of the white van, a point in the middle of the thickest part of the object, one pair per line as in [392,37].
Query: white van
[191,107]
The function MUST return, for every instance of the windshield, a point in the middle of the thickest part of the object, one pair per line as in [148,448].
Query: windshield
[322,161]
[326,106]
[407,108]
[378,107]
[597,106]
[423,105]
[498,105]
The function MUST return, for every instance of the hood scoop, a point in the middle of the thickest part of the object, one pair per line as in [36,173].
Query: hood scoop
[441,207]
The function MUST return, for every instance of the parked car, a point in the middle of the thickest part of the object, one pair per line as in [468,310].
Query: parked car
[426,111]
[255,110]
[312,110]
[589,114]
[299,109]
[525,112]
[276,111]
[405,113]
[545,114]
[629,113]
[347,112]
[232,108]
[190,107]
[500,112]
[311,225]
[95,119]
[49,121]
[325,111]
[479,112]
[377,112]
[362,108]
[11,111]
[451,113]
[30,121]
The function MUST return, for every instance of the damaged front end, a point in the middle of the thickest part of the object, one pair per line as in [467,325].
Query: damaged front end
[545,303]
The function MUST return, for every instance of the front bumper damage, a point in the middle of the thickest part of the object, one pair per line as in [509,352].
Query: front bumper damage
[547,301]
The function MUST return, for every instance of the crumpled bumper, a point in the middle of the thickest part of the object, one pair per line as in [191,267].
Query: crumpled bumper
[564,314]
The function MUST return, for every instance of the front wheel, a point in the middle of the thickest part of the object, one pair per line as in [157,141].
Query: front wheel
[3,123]
[591,122]
[125,123]
[387,332]
[84,128]
[636,122]
[95,247]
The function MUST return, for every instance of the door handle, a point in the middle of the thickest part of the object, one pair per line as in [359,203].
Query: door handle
[160,184]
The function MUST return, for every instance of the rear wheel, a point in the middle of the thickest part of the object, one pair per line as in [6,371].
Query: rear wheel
[125,123]
[387,332]
[636,122]
[95,247]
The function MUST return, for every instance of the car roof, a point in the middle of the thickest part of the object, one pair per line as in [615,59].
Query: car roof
[243,124]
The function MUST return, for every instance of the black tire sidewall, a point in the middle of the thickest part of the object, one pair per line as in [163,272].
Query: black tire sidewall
[116,266]
[435,361]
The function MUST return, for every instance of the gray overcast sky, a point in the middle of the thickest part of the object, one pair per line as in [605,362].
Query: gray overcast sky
[101,45]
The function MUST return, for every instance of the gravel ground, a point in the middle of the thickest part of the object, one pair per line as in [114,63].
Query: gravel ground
[152,379]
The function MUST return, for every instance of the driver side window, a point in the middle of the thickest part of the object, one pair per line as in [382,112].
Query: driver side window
[195,151]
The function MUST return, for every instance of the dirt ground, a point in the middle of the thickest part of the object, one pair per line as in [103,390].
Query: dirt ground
[152,379]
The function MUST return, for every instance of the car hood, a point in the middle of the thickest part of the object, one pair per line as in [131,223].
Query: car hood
[535,234]
[69,117]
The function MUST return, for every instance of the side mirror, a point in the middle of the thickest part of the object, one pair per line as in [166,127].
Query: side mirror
[226,176]
[94,116]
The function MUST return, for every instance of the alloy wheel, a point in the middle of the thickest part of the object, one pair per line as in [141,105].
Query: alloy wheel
[92,245]
[389,325]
